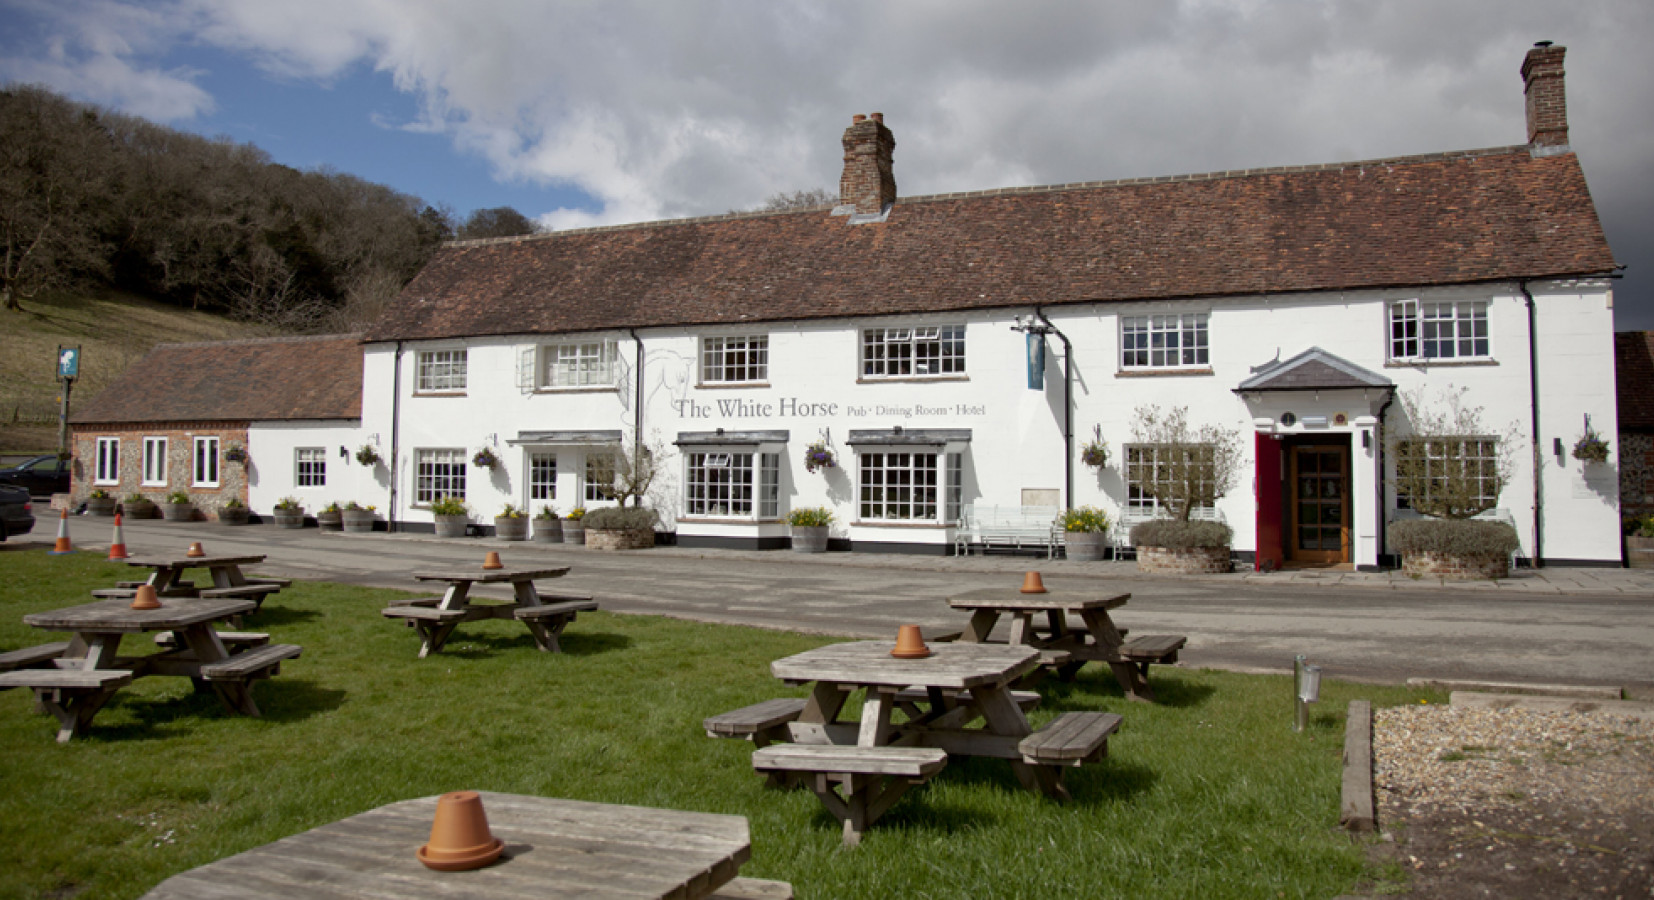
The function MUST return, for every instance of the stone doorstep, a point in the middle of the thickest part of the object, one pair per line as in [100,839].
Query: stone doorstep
[1581,691]
[1478,700]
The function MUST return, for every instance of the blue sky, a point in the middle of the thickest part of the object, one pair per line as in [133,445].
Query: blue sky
[583,112]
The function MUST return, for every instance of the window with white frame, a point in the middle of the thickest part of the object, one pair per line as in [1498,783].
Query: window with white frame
[579,364]
[155,462]
[109,461]
[735,360]
[926,351]
[310,465]
[542,476]
[1151,473]
[1462,472]
[439,472]
[204,472]
[441,372]
[1170,341]
[769,485]
[956,486]
[718,484]
[1421,330]
[898,486]
[600,477]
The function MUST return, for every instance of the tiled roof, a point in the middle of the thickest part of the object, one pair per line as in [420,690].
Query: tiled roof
[1634,378]
[1313,369]
[253,380]
[1434,220]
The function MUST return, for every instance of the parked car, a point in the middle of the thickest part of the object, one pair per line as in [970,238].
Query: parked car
[41,476]
[16,512]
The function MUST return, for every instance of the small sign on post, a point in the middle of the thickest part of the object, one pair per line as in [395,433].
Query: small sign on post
[68,363]
[68,369]
[1036,360]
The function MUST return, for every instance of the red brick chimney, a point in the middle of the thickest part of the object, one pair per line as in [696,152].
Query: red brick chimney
[1542,89]
[867,183]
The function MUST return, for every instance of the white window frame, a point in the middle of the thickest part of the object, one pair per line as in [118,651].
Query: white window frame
[441,371]
[542,476]
[1166,341]
[735,359]
[590,490]
[109,461]
[204,462]
[155,462]
[1438,331]
[577,365]
[310,467]
[439,472]
[919,351]
[891,479]
[1485,460]
[741,483]
[1141,459]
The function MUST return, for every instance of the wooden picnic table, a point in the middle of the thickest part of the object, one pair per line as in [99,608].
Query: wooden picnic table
[167,571]
[1065,647]
[91,669]
[553,848]
[436,618]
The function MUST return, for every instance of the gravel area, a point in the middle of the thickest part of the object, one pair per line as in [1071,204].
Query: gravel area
[1515,802]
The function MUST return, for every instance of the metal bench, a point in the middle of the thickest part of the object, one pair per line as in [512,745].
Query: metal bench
[871,779]
[1013,528]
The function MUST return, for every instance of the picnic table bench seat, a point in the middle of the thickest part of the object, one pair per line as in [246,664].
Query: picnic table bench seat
[261,579]
[253,592]
[753,889]
[234,640]
[238,669]
[871,778]
[568,607]
[423,613]
[72,696]
[32,657]
[1070,739]
[1151,648]
[762,723]
[1027,700]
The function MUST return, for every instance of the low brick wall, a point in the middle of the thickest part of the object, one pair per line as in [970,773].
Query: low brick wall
[605,539]
[1455,568]
[1193,561]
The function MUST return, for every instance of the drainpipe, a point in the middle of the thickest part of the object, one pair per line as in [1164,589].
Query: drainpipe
[396,434]
[637,409]
[1538,453]
[1067,410]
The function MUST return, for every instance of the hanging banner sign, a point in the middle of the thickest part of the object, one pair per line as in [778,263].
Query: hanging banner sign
[1036,361]
[68,362]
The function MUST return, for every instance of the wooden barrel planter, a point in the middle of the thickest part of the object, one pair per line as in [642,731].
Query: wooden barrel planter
[548,531]
[574,532]
[288,518]
[138,509]
[177,512]
[1085,546]
[451,526]
[100,506]
[330,520]
[1639,552]
[511,528]
[234,515]
[810,538]
[357,521]
[620,539]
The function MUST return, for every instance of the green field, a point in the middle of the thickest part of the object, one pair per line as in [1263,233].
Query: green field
[1207,794]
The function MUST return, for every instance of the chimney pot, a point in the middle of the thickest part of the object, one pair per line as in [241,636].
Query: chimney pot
[857,119]
[879,118]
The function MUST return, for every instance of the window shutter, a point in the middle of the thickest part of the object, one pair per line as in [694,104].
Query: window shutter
[526,357]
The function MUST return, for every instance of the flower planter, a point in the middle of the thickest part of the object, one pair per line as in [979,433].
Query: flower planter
[357,521]
[96,506]
[573,532]
[1086,546]
[177,512]
[511,528]
[620,539]
[289,518]
[810,538]
[548,531]
[1453,567]
[1181,561]
[1639,552]
[451,526]
[330,521]
[138,509]
[233,515]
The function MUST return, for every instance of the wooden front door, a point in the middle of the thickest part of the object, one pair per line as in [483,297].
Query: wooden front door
[1320,508]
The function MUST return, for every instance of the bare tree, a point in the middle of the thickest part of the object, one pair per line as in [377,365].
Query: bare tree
[1450,464]
[629,473]
[1180,465]
[783,201]
[497,222]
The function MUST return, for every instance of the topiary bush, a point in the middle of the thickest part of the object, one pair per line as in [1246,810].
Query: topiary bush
[621,518]
[1453,537]
[1175,535]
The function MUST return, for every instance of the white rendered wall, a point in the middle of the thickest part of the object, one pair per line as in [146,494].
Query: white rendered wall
[273,471]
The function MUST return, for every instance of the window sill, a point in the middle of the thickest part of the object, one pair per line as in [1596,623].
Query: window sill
[1160,373]
[439,393]
[726,520]
[901,379]
[898,523]
[725,385]
[577,389]
[1437,363]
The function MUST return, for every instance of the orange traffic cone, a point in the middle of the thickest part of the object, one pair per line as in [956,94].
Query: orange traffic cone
[117,545]
[62,545]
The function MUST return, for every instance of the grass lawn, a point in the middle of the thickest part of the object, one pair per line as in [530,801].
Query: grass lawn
[1207,794]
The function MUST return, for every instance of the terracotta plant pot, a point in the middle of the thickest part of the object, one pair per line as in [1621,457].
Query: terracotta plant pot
[492,560]
[1032,583]
[910,644]
[460,837]
[144,598]
[196,551]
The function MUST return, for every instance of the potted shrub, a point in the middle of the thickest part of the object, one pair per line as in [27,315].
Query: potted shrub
[1178,547]
[451,516]
[178,507]
[1454,549]
[548,529]
[137,506]
[330,518]
[1085,528]
[356,518]
[233,512]
[810,527]
[511,524]
[100,503]
[289,512]
[620,528]
[574,526]
[1639,542]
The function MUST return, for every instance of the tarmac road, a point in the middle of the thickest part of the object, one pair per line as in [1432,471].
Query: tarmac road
[1595,627]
